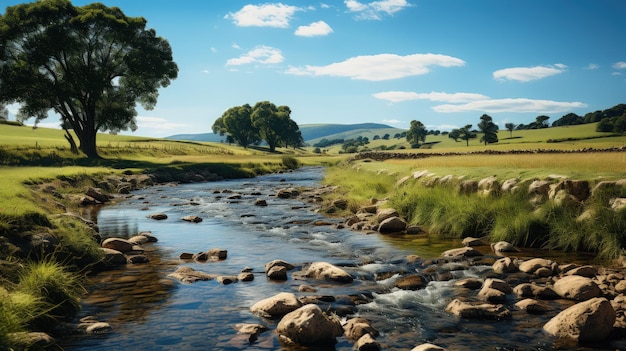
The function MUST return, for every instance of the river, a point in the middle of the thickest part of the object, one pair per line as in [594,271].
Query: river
[149,311]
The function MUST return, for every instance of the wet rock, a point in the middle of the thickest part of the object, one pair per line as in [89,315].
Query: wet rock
[428,347]
[587,321]
[341,204]
[186,256]
[245,276]
[584,271]
[138,240]
[309,325]
[98,195]
[277,273]
[189,275]
[306,288]
[252,330]
[503,246]
[226,279]
[494,290]
[260,202]
[482,311]
[151,238]
[533,306]
[192,219]
[99,328]
[327,271]
[158,216]
[31,340]
[277,305]
[385,213]
[414,229]
[367,343]
[533,290]
[113,257]
[532,265]
[392,225]
[411,282]
[577,288]
[287,193]
[470,241]
[355,328]
[505,265]
[121,245]
[469,283]
[219,254]
[461,253]
[138,259]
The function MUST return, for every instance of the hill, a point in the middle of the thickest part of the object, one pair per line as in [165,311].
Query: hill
[212,137]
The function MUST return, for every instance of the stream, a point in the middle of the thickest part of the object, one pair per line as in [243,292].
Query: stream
[149,311]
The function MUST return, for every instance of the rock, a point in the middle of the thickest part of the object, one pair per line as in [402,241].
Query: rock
[587,321]
[494,290]
[327,271]
[483,311]
[367,343]
[504,265]
[509,186]
[158,216]
[226,279]
[461,252]
[411,282]
[533,290]
[138,259]
[385,213]
[245,276]
[539,187]
[498,284]
[584,271]
[253,330]
[469,283]
[306,288]
[192,219]
[277,273]
[414,229]
[98,195]
[503,246]
[532,265]
[287,193]
[428,347]
[392,225]
[277,305]
[99,328]
[121,245]
[186,256]
[468,187]
[148,234]
[31,340]
[189,275]
[282,263]
[470,241]
[355,328]
[341,204]
[309,325]
[113,257]
[533,306]
[260,202]
[138,240]
[219,254]
[576,288]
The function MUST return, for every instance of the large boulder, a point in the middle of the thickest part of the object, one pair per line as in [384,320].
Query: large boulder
[532,265]
[411,282]
[121,245]
[98,195]
[462,252]
[187,274]
[327,271]
[277,305]
[113,257]
[577,288]
[503,246]
[392,225]
[428,347]
[309,325]
[355,328]
[505,265]
[385,213]
[587,321]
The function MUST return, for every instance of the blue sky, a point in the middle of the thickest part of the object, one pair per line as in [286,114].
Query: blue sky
[442,62]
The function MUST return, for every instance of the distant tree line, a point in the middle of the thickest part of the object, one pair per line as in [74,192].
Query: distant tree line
[248,125]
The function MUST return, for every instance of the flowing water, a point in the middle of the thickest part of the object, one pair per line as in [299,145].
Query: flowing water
[149,311]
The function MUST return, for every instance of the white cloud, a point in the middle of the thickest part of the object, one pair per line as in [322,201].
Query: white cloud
[399,96]
[314,29]
[236,46]
[616,73]
[267,15]
[374,9]
[157,123]
[526,74]
[380,67]
[592,66]
[261,54]
[521,105]
[213,50]
[619,65]
[392,121]
[442,127]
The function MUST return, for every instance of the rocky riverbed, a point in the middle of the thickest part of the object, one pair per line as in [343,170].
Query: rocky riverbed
[263,271]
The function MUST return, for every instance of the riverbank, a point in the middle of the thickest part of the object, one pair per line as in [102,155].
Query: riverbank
[48,247]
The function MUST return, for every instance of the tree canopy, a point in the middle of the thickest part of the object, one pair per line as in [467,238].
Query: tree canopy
[510,127]
[90,64]
[489,129]
[248,125]
[466,133]
[417,133]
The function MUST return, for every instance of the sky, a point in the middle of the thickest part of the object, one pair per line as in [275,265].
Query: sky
[442,62]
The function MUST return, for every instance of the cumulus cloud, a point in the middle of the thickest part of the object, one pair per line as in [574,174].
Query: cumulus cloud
[314,29]
[380,67]
[392,121]
[521,105]
[261,54]
[526,74]
[267,15]
[619,65]
[399,96]
[374,9]
[592,66]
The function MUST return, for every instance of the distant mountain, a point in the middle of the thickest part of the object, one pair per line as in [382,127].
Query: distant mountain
[311,132]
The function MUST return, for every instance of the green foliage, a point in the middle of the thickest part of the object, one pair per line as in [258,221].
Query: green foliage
[290,162]
[489,130]
[17,310]
[417,133]
[89,64]
[464,133]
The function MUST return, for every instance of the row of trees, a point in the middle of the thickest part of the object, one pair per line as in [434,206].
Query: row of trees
[248,125]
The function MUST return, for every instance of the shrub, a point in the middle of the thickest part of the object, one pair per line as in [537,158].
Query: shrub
[290,162]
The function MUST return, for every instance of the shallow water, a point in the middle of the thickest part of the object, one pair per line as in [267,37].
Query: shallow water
[149,311]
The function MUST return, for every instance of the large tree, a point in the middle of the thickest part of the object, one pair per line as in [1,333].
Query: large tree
[270,120]
[510,127]
[417,133]
[488,129]
[237,123]
[90,64]
[4,113]
[466,133]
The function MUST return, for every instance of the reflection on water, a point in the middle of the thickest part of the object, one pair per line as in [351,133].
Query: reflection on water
[149,311]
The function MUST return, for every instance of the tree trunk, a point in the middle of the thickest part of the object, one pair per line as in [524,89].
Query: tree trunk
[88,144]
[70,140]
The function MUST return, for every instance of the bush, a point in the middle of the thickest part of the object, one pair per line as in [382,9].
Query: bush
[290,162]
